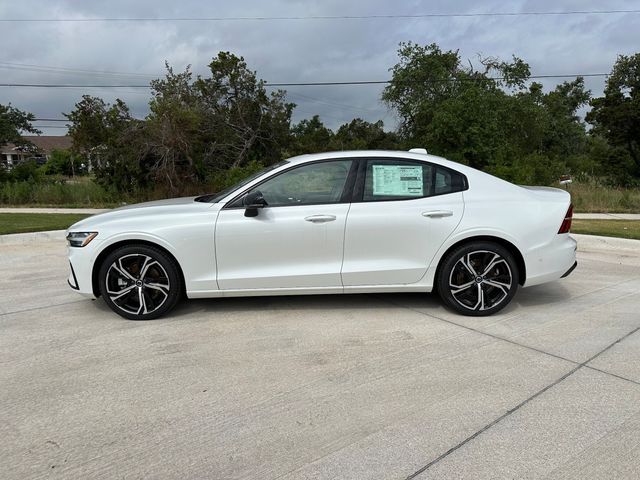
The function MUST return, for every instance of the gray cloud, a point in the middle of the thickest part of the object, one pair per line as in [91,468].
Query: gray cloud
[292,51]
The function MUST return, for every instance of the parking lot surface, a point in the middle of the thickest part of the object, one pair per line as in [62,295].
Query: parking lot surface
[321,387]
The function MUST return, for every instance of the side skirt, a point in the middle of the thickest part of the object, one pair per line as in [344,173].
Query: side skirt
[259,292]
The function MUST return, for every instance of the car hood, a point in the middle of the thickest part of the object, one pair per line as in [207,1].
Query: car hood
[144,211]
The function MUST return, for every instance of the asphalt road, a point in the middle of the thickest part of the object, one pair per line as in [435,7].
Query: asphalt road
[334,387]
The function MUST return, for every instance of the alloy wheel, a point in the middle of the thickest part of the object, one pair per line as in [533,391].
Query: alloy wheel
[137,284]
[480,280]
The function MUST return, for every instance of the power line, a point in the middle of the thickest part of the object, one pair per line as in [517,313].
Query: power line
[299,84]
[320,17]
[66,70]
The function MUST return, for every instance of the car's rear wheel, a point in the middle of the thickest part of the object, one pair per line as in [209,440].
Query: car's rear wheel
[140,282]
[478,278]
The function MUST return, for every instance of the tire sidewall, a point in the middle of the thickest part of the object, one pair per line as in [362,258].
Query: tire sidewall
[167,263]
[452,258]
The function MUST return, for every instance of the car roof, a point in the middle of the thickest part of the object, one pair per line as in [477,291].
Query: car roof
[312,157]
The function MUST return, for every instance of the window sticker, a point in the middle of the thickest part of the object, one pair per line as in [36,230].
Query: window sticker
[400,180]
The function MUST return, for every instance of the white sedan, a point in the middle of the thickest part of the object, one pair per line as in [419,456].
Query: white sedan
[342,222]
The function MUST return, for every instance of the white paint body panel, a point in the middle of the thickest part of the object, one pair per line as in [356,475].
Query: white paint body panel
[279,248]
[393,242]
[370,247]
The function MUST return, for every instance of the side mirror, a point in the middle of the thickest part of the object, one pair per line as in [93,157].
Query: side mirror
[252,202]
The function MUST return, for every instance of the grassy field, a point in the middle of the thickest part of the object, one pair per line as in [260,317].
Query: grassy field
[598,199]
[608,228]
[82,192]
[36,222]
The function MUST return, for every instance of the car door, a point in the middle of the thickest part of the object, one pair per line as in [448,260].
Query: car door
[402,212]
[296,240]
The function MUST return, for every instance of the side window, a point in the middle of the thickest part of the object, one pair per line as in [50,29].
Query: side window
[397,180]
[315,183]
[447,181]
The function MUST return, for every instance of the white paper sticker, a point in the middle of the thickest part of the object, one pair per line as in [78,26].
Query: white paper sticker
[399,180]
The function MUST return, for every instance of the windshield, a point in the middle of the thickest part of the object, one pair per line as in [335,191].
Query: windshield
[216,197]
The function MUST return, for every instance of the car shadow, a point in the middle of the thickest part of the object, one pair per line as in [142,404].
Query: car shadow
[428,303]
[299,302]
[550,293]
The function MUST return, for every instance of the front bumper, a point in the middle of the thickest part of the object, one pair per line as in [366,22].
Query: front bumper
[72,280]
[81,269]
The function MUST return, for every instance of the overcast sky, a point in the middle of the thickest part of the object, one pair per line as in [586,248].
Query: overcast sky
[288,50]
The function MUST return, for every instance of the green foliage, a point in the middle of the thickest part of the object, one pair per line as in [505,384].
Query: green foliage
[309,136]
[59,193]
[196,128]
[12,122]
[206,131]
[616,117]
[487,119]
[112,141]
[312,136]
[362,135]
[63,162]
[25,172]
[223,179]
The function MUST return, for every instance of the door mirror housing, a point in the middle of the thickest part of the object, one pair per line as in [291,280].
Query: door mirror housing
[252,202]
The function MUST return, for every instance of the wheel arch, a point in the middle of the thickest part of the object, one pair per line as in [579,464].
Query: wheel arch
[517,255]
[123,243]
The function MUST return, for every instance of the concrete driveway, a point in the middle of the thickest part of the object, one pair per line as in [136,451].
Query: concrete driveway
[337,387]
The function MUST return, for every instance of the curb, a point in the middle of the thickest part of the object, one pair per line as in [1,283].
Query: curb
[32,237]
[596,242]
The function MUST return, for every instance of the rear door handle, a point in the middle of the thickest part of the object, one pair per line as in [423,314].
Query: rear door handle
[437,213]
[320,218]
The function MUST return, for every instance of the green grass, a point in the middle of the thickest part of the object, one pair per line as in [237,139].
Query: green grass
[588,198]
[81,193]
[608,228]
[36,222]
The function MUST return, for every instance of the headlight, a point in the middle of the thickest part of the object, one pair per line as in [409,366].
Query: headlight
[80,239]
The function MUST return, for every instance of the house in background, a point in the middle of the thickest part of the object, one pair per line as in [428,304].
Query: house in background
[40,151]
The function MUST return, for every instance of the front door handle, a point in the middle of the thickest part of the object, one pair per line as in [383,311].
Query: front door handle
[320,218]
[437,213]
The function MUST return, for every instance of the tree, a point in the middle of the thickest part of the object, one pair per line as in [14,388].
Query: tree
[112,141]
[616,115]
[196,128]
[12,123]
[487,118]
[362,135]
[309,136]
[242,122]
[62,162]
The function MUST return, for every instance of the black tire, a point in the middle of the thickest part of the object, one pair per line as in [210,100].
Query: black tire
[148,277]
[486,273]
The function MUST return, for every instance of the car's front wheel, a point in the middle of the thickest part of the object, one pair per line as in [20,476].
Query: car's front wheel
[140,282]
[478,279]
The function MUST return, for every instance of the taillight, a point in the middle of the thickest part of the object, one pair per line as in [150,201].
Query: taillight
[566,223]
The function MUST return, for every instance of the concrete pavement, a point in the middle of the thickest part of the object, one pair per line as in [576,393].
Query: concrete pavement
[321,387]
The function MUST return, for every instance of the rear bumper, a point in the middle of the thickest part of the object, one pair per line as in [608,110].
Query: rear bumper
[568,272]
[552,261]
